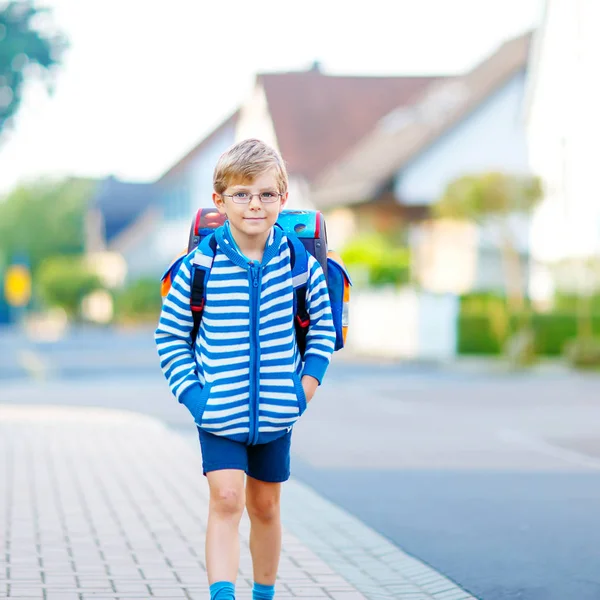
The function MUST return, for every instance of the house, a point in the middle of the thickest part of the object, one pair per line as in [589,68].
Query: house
[563,128]
[455,126]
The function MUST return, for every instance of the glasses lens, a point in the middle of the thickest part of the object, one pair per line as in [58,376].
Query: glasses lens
[269,197]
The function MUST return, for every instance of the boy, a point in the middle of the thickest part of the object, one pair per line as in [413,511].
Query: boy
[244,381]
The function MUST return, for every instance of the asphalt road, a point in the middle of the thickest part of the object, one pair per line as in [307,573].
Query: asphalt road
[493,480]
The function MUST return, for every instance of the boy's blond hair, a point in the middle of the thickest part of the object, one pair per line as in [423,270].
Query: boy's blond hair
[247,160]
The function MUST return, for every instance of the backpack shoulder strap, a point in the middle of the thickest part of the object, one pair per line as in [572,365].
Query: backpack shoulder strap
[202,262]
[299,264]
[298,261]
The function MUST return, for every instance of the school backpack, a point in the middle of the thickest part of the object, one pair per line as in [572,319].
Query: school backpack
[306,233]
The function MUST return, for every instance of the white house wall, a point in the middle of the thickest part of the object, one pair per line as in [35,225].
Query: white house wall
[184,193]
[491,138]
[563,129]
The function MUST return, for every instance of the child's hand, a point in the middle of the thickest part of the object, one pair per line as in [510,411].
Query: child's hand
[310,385]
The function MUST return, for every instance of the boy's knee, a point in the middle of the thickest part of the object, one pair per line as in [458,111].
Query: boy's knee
[228,501]
[264,507]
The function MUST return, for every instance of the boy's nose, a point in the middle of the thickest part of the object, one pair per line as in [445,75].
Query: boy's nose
[255,202]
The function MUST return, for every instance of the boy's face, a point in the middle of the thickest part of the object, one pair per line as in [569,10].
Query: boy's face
[253,220]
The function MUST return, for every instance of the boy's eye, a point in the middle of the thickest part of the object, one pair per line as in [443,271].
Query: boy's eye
[241,195]
[267,194]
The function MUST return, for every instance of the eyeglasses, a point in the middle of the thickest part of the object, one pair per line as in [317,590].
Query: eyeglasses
[245,197]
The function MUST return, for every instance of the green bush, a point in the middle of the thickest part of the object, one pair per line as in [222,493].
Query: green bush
[63,281]
[476,336]
[138,302]
[569,303]
[476,333]
[375,260]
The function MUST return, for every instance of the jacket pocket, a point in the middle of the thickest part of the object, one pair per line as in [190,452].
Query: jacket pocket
[204,395]
[299,393]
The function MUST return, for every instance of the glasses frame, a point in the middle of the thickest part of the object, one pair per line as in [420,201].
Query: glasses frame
[276,197]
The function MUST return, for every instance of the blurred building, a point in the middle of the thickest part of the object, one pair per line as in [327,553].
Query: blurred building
[373,153]
[563,128]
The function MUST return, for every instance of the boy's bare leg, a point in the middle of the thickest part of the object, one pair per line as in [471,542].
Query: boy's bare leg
[222,533]
[263,505]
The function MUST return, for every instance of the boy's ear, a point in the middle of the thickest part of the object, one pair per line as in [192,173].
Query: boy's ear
[283,202]
[219,202]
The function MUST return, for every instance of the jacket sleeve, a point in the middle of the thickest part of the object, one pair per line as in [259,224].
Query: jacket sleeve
[174,343]
[320,339]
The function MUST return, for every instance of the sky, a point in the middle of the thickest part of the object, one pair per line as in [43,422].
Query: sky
[146,80]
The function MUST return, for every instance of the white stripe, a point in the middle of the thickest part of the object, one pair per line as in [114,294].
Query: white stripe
[225,425]
[225,335]
[228,323]
[185,323]
[275,329]
[276,369]
[277,355]
[277,383]
[227,432]
[279,342]
[283,410]
[202,260]
[178,333]
[184,386]
[299,280]
[177,343]
[275,288]
[274,274]
[276,421]
[219,414]
[226,283]
[228,270]
[209,349]
[184,312]
[229,374]
[227,387]
[277,300]
[276,315]
[269,429]
[310,351]
[222,362]
[219,310]
[177,294]
[232,297]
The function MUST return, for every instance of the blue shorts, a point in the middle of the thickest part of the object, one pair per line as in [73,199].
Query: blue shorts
[268,462]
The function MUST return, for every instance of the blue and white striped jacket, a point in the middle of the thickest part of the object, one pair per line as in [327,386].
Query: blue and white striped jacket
[242,379]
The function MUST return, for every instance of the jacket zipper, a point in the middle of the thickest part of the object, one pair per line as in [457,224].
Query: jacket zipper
[254,350]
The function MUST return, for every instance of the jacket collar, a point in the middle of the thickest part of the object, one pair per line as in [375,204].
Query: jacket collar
[229,246]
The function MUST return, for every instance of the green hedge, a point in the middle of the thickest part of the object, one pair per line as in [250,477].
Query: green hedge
[552,331]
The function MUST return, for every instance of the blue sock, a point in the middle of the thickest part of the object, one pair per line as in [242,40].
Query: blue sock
[263,592]
[222,590]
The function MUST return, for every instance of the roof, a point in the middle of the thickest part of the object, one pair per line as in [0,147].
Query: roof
[121,203]
[318,117]
[230,121]
[366,167]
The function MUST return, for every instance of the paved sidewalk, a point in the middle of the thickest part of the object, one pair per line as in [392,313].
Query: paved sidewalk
[105,504]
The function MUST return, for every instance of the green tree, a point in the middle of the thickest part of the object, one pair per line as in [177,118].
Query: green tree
[44,219]
[492,199]
[29,48]
[64,281]
[139,302]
